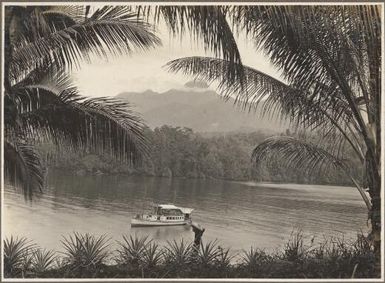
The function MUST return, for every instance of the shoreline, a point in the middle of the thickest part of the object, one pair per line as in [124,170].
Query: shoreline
[240,181]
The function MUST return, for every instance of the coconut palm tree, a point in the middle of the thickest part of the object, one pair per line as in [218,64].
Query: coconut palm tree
[330,60]
[42,44]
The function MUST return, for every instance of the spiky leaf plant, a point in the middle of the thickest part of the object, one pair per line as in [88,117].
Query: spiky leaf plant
[17,255]
[208,253]
[178,256]
[43,260]
[152,256]
[224,258]
[295,249]
[132,250]
[253,262]
[85,252]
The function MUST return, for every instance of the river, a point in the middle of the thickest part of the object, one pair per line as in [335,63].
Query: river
[238,214]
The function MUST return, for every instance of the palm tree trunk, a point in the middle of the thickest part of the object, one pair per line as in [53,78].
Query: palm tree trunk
[373,164]
[374,184]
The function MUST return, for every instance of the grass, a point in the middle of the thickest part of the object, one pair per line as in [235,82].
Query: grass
[90,256]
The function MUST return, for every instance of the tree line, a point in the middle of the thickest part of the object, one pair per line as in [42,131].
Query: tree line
[181,152]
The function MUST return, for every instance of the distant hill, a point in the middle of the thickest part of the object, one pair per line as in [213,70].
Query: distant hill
[195,107]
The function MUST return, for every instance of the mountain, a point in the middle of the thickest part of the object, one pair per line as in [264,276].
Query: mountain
[195,107]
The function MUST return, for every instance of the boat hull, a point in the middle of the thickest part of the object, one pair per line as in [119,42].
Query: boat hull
[146,223]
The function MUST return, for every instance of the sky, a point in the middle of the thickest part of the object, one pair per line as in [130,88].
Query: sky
[143,70]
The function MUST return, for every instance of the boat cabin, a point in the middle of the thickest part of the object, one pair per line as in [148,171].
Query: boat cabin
[172,212]
[163,215]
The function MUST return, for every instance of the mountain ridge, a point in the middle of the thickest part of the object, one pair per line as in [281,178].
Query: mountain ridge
[200,109]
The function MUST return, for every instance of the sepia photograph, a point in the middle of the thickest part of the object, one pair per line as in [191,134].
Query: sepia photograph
[200,141]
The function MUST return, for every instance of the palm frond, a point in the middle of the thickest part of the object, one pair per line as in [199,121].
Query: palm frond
[109,30]
[258,85]
[23,166]
[321,44]
[297,153]
[208,23]
[312,159]
[58,112]
[295,35]
[74,13]
[326,112]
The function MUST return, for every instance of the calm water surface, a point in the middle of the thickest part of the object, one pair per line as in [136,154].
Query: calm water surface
[238,215]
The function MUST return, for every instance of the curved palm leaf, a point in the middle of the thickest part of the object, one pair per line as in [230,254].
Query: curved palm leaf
[22,166]
[109,30]
[53,110]
[326,113]
[296,36]
[209,23]
[293,152]
[297,153]
[328,45]
[70,13]
[258,85]
[101,124]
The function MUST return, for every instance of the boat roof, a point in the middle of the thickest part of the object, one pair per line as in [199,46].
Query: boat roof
[171,206]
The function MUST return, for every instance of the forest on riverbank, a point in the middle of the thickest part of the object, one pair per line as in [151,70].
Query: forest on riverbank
[181,152]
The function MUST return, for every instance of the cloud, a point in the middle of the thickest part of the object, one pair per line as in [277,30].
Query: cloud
[196,84]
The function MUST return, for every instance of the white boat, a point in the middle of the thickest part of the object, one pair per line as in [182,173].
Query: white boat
[163,215]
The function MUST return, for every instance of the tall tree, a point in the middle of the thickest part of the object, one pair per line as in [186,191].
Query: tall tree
[42,44]
[330,58]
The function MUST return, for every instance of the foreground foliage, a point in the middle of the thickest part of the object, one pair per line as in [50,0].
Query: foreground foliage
[88,256]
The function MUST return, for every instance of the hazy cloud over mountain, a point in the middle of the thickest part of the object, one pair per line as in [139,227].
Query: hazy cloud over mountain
[196,84]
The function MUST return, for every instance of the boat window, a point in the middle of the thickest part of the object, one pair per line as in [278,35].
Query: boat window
[174,212]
